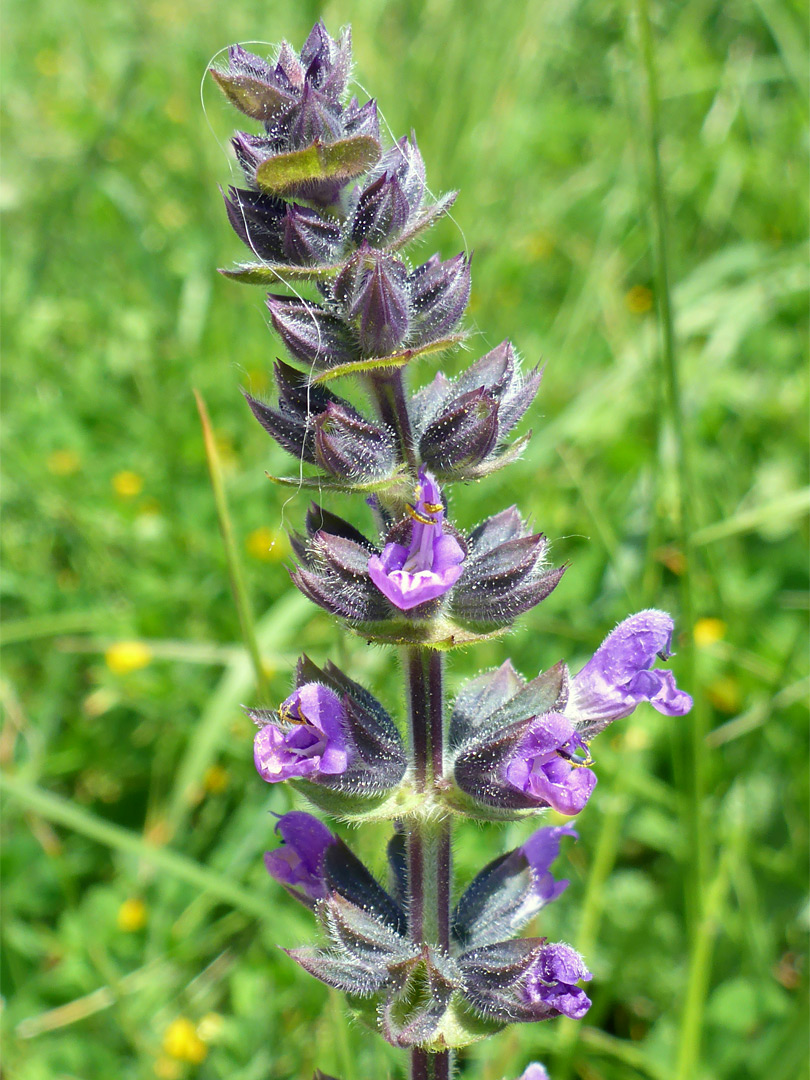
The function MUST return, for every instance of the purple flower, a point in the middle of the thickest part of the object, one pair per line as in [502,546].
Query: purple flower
[408,576]
[308,740]
[547,765]
[298,865]
[552,978]
[618,676]
[535,1071]
[540,851]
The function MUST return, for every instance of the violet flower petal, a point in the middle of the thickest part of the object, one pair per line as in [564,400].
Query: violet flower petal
[315,743]
[534,1071]
[430,565]
[540,851]
[617,677]
[552,979]
[542,767]
[298,863]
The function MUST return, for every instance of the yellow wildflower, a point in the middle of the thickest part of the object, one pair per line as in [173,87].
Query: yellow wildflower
[267,544]
[709,630]
[215,779]
[126,656]
[127,484]
[132,915]
[181,1041]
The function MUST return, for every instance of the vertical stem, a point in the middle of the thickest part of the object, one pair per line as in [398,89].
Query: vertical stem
[428,842]
[389,392]
[426,1066]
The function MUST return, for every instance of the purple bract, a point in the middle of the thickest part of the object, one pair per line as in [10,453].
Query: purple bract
[409,576]
[309,739]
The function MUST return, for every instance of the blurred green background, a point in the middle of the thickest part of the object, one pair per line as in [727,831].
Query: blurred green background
[140,932]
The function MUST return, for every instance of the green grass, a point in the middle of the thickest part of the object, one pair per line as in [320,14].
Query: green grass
[688,885]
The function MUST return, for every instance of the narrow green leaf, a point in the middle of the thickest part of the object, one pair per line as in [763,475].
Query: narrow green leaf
[277,273]
[395,360]
[329,483]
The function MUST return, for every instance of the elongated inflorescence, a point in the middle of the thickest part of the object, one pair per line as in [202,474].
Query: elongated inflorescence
[327,213]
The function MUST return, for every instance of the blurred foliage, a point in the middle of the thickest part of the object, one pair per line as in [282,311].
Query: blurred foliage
[140,932]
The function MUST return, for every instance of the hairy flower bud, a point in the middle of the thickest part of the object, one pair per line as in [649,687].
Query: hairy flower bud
[505,573]
[462,424]
[462,435]
[439,294]
[314,336]
[373,290]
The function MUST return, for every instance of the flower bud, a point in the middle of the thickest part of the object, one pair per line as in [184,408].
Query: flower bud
[350,448]
[462,435]
[373,290]
[440,405]
[505,573]
[312,334]
[439,294]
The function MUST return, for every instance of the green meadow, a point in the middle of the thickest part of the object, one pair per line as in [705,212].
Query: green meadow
[636,203]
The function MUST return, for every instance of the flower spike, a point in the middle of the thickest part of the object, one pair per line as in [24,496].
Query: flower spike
[326,204]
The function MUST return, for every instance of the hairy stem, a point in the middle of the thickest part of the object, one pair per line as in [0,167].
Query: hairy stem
[428,843]
[389,393]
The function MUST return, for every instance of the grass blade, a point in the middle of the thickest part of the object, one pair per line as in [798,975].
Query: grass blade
[238,586]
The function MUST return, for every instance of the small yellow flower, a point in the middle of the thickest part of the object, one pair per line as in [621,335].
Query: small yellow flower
[63,462]
[639,300]
[127,484]
[182,1042]
[216,779]
[709,630]
[126,656]
[132,915]
[269,545]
